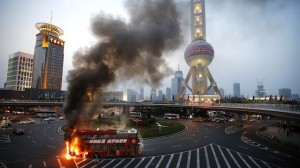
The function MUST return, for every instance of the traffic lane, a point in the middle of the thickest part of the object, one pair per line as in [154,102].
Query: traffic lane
[234,142]
[197,135]
[22,147]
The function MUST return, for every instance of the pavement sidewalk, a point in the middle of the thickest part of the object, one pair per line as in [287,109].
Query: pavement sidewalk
[281,136]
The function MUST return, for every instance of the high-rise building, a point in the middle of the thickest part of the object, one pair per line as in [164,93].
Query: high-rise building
[160,95]
[48,57]
[153,94]
[285,92]
[236,90]
[260,92]
[19,71]
[168,93]
[176,82]
[141,94]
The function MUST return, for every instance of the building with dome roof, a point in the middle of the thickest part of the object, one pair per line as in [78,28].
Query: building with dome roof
[198,55]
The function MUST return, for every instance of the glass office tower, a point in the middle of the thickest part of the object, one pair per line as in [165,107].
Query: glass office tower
[48,57]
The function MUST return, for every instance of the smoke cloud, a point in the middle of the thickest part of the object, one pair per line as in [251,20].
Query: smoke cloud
[125,51]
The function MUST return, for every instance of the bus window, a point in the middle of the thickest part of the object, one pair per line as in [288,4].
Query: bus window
[120,146]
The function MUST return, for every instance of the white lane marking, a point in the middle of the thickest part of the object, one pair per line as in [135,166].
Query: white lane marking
[59,163]
[159,162]
[233,158]
[51,147]
[129,163]
[119,163]
[242,147]
[226,161]
[198,159]
[206,157]
[189,160]
[176,146]
[45,164]
[150,162]
[169,162]
[97,164]
[179,160]
[83,160]
[195,141]
[254,161]
[33,142]
[137,165]
[265,163]
[147,150]
[108,163]
[30,166]
[88,163]
[215,156]
[243,159]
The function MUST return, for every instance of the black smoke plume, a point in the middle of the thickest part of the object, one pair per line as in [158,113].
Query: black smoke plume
[124,51]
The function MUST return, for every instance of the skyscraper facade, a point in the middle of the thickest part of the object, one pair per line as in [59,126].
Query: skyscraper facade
[141,94]
[48,57]
[168,93]
[285,92]
[236,90]
[19,71]
[176,82]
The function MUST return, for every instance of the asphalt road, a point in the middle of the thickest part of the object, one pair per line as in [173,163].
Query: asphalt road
[202,145]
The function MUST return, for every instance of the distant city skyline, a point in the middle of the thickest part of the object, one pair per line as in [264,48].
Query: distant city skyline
[249,37]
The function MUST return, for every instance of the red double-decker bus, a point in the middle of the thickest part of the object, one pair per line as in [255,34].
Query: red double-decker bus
[100,143]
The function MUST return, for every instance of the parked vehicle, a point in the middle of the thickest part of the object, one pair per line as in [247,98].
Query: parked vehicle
[18,131]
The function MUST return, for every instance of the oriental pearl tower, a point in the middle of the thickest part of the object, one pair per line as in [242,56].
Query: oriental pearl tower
[198,55]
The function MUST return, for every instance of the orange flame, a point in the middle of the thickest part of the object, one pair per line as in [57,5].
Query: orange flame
[72,150]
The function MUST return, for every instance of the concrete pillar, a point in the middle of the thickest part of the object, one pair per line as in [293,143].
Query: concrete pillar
[239,122]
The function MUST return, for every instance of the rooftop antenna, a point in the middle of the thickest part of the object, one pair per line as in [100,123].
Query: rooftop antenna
[51,18]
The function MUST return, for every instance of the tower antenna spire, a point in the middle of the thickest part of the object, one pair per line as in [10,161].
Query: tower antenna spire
[51,18]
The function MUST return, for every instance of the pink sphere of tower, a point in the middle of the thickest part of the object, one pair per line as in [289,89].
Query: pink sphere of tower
[199,52]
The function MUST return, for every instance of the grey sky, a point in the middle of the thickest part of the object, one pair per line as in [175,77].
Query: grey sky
[253,39]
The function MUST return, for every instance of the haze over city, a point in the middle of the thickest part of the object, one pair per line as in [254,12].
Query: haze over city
[254,41]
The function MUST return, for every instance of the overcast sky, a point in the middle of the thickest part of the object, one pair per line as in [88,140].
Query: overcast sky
[254,40]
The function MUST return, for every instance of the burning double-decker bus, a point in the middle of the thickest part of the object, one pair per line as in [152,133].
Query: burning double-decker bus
[100,143]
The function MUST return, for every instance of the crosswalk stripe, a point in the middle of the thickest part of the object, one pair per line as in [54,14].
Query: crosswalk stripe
[198,158]
[189,160]
[243,159]
[137,165]
[206,157]
[119,163]
[129,163]
[108,163]
[160,160]
[98,164]
[179,160]
[150,162]
[215,156]
[233,158]
[226,161]
[254,161]
[265,163]
[169,162]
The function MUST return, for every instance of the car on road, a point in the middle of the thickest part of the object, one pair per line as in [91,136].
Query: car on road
[27,122]
[6,125]
[18,131]
[50,119]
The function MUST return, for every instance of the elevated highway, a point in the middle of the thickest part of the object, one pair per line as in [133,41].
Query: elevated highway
[276,110]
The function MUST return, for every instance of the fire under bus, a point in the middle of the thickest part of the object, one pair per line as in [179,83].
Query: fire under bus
[101,143]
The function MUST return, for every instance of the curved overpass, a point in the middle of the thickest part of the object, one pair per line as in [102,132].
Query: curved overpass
[288,113]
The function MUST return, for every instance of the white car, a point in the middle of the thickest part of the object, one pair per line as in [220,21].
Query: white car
[50,119]
[27,122]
